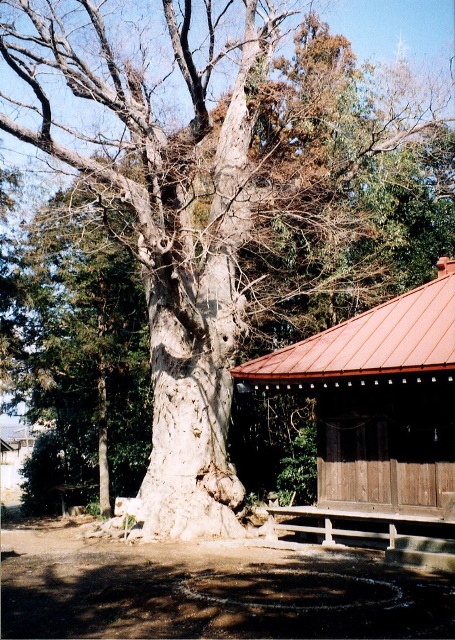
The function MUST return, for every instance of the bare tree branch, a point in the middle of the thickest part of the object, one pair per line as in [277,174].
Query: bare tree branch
[394,141]
[25,74]
[185,61]
[97,22]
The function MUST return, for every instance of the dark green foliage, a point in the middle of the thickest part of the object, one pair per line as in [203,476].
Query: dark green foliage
[410,195]
[43,471]
[130,434]
[10,290]
[55,462]
[84,317]
[273,442]
[257,441]
[10,183]
[298,479]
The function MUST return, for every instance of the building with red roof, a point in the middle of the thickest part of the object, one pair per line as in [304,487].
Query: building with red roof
[385,401]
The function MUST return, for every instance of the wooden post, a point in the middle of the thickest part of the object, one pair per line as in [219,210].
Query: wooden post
[328,531]
[394,482]
[392,534]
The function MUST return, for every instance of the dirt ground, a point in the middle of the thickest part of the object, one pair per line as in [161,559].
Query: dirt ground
[57,584]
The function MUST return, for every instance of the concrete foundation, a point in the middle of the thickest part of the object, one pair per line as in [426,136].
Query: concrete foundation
[430,553]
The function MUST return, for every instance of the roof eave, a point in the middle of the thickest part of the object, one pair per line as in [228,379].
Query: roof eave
[314,376]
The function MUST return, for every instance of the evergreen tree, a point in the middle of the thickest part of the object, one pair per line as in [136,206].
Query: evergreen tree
[10,292]
[87,355]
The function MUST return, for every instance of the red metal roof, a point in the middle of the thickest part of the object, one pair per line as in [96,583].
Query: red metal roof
[413,332]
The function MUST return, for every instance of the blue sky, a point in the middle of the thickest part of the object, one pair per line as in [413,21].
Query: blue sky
[374,27]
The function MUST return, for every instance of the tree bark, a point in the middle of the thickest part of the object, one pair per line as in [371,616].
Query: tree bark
[190,488]
[105,506]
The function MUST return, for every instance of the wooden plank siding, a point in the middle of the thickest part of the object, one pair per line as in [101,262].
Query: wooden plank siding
[445,479]
[355,465]
[384,467]
[333,463]
[417,484]
[362,489]
[358,469]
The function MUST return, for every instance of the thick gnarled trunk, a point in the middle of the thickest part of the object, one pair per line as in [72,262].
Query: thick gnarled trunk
[190,488]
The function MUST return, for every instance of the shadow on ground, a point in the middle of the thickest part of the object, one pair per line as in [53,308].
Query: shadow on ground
[93,594]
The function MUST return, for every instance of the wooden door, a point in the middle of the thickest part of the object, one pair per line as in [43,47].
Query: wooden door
[356,464]
[425,466]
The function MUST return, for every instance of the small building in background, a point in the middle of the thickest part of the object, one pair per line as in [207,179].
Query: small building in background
[17,446]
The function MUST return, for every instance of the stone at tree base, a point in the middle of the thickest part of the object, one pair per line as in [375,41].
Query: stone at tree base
[118,522]
[135,534]
[257,516]
[127,506]
[267,530]
[76,511]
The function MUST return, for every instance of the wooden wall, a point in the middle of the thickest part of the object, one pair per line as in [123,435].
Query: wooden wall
[387,451]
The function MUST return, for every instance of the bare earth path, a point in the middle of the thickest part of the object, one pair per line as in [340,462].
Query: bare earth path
[56,584]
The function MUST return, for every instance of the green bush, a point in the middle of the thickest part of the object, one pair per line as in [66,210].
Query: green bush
[69,457]
[93,509]
[43,471]
[299,468]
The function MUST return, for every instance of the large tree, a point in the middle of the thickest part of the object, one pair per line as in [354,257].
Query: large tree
[195,309]
[192,192]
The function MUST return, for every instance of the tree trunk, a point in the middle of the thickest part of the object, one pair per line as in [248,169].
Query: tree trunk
[190,488]
[105,505]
